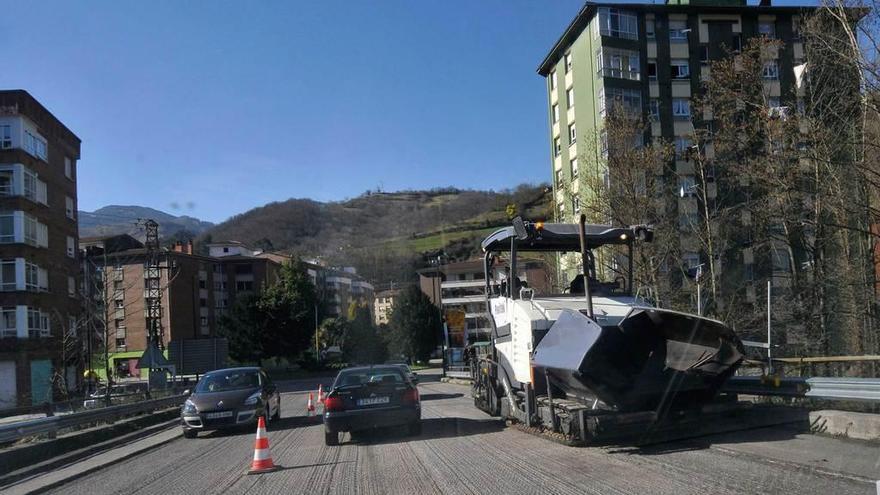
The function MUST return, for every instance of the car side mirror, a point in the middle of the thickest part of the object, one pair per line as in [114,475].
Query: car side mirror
[187,392]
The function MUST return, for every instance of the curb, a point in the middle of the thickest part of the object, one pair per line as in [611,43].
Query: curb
[854,425]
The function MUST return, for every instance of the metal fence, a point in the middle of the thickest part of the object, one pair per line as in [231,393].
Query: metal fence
[830,388]
[52,424]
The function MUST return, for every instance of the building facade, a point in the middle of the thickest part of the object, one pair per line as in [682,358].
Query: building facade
[196,292]
[39,276]
[651,60]
[384,303]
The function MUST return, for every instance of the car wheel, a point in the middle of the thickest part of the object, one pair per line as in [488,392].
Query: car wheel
[190,433]
[415,428]
[331,438]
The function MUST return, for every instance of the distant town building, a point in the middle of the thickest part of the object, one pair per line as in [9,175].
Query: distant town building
[459,289]
[337,287]
[39,276]
[383,305]
[196,291]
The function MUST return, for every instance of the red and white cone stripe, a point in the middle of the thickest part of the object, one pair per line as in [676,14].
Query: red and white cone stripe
[262,462]
[310,407]
[321,393]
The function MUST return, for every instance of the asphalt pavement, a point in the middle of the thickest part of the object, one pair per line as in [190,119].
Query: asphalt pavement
[462,450]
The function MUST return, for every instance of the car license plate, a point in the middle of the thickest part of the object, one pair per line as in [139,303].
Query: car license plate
[372,401]
[217,415]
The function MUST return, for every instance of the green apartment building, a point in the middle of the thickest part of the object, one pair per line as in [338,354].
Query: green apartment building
[652,59]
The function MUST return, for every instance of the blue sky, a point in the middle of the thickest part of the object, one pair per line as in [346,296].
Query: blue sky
[212,108]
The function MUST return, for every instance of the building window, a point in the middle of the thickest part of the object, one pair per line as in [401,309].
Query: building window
[630,99]
[557,146]
[7,229]
[71,286]
[572,134]
[649,28]
[688,186]
[5,137]
[35,233]
[801,107]
[38,323]
[567,61]
[704,54]
[71,247]
[554,112]
[737,43]
[614,62]
[203,303]
[7,182]
[618,23]
[7,275]
[69,208]
[569,97]
[34,188]
[552,80]
[203,321]
[690,260]
[681,108]
[771,70]
[559,178]
[574,168]
[678,31]
[35,145]
[35,278]
[652,69]
[603,143]
[654,109]
[767,29]
[68,168]
[680,69]
[682,147]
[7,322]
[245,286]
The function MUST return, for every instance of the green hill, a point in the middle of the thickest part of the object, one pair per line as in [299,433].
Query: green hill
[387,236]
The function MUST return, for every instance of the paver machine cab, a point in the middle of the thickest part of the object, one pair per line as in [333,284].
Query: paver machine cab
[593,361]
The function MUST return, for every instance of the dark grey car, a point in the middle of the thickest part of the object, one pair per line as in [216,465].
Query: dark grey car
[228,398]
[370,397]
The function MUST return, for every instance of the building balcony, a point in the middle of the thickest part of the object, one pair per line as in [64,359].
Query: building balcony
[456,284]
[463,300]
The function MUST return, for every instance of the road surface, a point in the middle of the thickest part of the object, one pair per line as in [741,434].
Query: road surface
[463,450]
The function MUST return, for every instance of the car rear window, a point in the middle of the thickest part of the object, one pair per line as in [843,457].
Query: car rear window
[375,375]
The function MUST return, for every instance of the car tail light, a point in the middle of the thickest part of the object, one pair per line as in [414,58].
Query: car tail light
[333,404]
[411,396]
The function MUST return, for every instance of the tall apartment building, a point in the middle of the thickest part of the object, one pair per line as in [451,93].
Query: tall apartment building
[651,59]
[38,251]
[196,291]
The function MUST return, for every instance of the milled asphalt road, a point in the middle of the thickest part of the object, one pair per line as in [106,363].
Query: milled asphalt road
[463,450]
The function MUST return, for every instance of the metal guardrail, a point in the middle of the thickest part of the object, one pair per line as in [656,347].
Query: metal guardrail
[51,425]
[860,389]
[458,371]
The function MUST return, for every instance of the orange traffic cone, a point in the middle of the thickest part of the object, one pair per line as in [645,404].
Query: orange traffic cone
[262,458]
[321,393]
[310,407]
